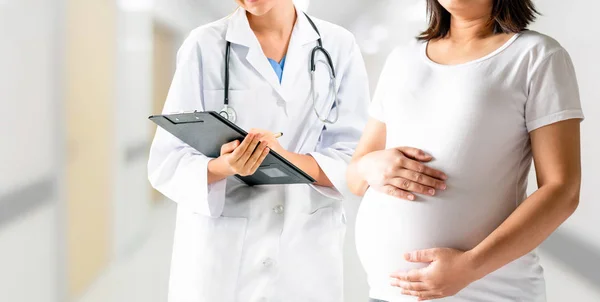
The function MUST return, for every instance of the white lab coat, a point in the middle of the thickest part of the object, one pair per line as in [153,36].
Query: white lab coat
[265,243]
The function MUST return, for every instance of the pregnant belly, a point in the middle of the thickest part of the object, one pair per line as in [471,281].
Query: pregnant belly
[388,227]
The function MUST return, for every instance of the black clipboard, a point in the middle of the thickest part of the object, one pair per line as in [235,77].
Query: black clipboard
[208,131]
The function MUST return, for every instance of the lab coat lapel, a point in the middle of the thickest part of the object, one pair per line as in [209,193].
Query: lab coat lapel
[239,32]
[259,61]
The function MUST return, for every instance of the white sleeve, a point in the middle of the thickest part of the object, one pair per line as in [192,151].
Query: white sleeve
[553,92]
[175,169]
[338,141]
[376,109]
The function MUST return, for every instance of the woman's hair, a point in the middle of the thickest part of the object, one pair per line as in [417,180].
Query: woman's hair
[508,16]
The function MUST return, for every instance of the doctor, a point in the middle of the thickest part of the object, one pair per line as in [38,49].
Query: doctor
[265,243]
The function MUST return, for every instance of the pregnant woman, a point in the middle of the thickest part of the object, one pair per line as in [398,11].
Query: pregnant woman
[479,96]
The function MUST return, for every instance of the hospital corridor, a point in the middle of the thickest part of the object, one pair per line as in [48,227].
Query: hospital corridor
[79,219]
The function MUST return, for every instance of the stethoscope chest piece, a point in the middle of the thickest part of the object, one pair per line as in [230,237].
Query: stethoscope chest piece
[228,113]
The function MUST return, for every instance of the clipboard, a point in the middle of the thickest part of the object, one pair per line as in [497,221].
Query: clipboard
[208,131]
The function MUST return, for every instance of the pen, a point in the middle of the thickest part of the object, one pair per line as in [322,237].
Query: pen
[278,134]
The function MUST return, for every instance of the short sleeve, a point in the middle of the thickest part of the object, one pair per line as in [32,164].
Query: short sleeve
[377,107]
[553,92]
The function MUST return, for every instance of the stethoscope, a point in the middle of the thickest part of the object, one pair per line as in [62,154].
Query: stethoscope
[229,113]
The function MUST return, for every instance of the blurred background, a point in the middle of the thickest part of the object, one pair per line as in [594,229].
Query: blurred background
[78,78]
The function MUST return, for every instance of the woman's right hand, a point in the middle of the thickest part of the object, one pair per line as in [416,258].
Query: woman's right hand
[240,158]
[400,172]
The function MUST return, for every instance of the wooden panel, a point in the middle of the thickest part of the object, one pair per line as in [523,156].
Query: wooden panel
[164,67]
[90,93]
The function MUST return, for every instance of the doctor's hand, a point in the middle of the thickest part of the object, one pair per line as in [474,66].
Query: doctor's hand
[242,158]
[449,271]
[400,172]
[269,137]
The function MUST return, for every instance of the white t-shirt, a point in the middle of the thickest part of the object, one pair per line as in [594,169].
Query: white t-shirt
[474,119]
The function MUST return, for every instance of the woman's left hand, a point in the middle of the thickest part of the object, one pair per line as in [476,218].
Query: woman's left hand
[449,271]
[269,137]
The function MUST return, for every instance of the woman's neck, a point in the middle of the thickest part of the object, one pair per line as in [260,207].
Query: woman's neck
[468,29]
[279,20]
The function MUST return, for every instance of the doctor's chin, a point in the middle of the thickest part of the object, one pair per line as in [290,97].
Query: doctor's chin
[299,151]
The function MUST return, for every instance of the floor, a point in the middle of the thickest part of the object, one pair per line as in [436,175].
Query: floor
[144,275]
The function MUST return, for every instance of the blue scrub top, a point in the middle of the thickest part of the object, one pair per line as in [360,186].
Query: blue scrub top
[278,67]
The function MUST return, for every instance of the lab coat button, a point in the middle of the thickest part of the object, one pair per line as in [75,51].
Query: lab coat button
[268,262]
[278,209]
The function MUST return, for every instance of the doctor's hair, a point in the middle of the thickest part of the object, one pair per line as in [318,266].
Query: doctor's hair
[508,16]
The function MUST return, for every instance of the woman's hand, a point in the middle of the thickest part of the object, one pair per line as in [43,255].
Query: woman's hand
[241,158]
[400,172]
[449,271]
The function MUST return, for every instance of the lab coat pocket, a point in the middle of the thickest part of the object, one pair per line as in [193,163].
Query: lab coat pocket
[206,257]
[226,240]
[310,231]
[317,252]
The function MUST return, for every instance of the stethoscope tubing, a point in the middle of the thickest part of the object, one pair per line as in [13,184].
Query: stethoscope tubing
[229,113]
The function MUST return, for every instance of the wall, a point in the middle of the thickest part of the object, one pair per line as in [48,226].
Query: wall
[90,55]
[28,253]
[134,80]
[28,153]
[185,15]
[165,47]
